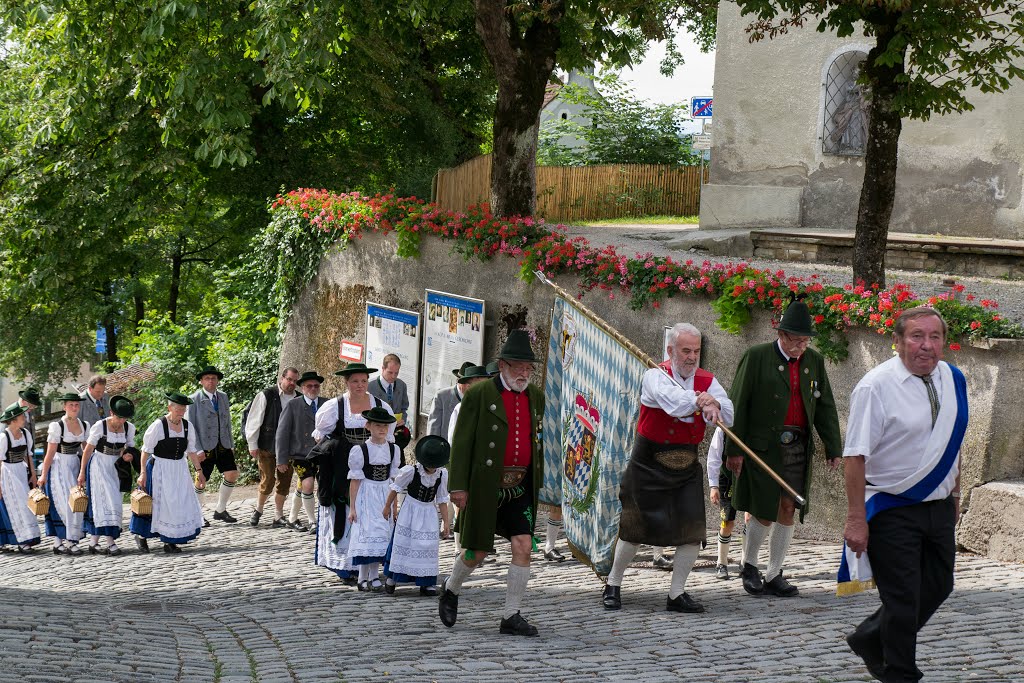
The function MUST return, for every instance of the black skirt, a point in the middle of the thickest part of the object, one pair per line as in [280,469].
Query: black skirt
[661,505]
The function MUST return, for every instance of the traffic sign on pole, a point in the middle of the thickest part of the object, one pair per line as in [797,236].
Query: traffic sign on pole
[700,107]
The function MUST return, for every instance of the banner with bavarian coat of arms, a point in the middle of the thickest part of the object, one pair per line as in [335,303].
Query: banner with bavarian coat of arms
[592,396]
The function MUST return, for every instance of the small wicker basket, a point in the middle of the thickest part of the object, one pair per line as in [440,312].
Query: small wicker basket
[142,502]
[38,503]
[78,500]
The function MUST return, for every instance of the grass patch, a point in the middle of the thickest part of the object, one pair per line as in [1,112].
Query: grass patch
[641,220]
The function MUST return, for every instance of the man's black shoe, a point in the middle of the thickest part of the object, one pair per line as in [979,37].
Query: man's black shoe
[780,587]
[873,659]
[448,606]
[753,583]
[298,526]
[517,626]
[255,519]
[683,603]
[279,523]
[142,544]
[224,517]
[554,556]
[612,597]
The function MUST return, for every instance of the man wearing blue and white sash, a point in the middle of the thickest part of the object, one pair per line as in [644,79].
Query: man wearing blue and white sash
[907,421]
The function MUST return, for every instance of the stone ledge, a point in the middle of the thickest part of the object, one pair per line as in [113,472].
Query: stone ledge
[992,524]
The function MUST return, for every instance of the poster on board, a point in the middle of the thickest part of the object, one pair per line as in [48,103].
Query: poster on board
[393,330]
[453,332]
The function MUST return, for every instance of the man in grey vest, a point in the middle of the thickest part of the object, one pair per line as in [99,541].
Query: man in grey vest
[95,402]
[260,430]
[295,439]
[210,415]
[444,403]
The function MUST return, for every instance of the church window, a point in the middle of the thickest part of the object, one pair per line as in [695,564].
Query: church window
[845,124]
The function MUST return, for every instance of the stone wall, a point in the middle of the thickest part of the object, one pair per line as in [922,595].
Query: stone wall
[332,308]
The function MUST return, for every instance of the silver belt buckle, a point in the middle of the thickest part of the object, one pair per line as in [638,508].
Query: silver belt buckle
[787,437]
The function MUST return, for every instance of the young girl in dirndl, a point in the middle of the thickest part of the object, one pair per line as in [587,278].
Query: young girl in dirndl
[412,556]
[61,467]
[20,527]
[104,448]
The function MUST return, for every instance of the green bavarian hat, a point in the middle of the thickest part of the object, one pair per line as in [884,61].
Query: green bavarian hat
[122,406]
[355,369]
[209,370]
[69,396]
[12,412]
[180,399]
[458,371]
[31,395]
[472,372]
[311,374]
[433,451]
[517,347]
[797,319]
[492,368]
[378,415]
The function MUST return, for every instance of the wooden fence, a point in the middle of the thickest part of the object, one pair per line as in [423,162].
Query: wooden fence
[581,193]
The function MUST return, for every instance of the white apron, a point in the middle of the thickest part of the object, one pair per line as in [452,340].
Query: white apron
[63,476]
[333,556]
[177,516]
[371,533]
[104,490]
[14,483]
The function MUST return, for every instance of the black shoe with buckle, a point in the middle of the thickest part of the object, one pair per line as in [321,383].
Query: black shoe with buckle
[554,556]
[780,587]
[721,572]
[517,626]
[142,544]
[663,563]
[363,586]
[254,520]
[224,517]
[683,603]
[93,550]
[113,551]
[430,591]
[389,587]
[612,597]
[872,656]
[447,606]
[753,582]
[376,586]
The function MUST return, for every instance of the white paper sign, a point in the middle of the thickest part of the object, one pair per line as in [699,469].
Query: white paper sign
[453,333]
[393,330]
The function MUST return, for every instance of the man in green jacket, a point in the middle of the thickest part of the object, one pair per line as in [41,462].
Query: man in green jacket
[780,391]
[495,473]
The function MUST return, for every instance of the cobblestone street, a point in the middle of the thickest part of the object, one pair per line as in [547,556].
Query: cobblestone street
[244,604]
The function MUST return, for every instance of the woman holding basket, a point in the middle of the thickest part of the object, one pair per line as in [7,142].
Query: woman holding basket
[20,526]
[61,466]
[110,440]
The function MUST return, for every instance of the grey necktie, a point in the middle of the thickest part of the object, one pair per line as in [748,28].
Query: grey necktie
[933,396]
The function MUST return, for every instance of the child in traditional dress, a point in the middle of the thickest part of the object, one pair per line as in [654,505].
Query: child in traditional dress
[111,440]
[61,466]
[412,555]
[371,467]
[20,526]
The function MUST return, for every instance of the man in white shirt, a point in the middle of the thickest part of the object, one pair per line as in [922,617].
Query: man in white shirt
[901,462]
[260,435]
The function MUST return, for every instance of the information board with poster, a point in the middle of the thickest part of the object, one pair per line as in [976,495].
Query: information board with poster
[453,332]
[393,330]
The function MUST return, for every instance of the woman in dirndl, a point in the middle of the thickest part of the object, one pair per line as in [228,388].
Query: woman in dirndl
[177,516]
[412,556]
[110,441]
[61,466]
[341,419]
[20,527]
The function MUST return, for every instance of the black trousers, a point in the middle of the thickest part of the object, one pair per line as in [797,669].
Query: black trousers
[912,550]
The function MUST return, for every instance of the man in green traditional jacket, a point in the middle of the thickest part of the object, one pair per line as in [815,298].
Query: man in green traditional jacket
[495,473]
[780,391]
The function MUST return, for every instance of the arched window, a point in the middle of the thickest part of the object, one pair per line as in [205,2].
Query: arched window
[844,128]
[565,115]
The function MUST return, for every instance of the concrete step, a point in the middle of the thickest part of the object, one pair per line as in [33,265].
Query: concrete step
[991,525]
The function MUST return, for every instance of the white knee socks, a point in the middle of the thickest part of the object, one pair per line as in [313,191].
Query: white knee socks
[552,528]
[723,548]
[308,500]
[753,539]
[778,546]
[624,554]
[364,572]
[460,571]
[685,556]
[516,589]
[226,489]
[296,506]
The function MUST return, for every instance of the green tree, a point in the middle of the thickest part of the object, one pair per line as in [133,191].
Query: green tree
[619,129]
[926,55]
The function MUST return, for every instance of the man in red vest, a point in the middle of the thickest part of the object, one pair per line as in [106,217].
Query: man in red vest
[662,490]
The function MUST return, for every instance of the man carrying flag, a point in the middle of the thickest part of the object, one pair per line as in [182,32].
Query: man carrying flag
[907,421]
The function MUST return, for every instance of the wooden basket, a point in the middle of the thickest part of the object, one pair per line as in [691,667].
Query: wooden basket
[78,500]
[38,503]
[142,502]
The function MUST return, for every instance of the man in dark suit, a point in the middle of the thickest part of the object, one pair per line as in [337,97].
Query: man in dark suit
[444,403]
[210,415]
[387,387]
[293,441]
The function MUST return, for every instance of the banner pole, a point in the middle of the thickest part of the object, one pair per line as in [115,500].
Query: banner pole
[651,363]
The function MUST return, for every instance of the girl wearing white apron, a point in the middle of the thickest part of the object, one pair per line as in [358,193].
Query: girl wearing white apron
[177,516]
[341,419]
[17,474]
[412,556]
[61,466]
[104,448]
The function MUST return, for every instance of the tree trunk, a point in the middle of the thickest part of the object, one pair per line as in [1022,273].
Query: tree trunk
[879,189]
[109,323]
[172,297]
[522,64]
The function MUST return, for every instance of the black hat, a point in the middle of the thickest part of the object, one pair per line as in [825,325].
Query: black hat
[122,406]
[472,372]
[458,372]
[354,369]
[797,319]
[12,412]
[180,399]
[69,396]
[492,368]
[433,451]
[378,415]
[402,436]
[210,370]
[311,374]
[517,347]
[31,395]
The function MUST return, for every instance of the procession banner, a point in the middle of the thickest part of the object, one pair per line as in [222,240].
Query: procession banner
[592,401]
[453,332]
[393,330]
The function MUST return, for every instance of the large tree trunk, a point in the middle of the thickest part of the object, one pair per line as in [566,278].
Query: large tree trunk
[175,288]
[879,189]
[522,62]
[109,323]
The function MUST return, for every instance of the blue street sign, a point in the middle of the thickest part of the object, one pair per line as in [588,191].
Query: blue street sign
[101,339]
[700,107]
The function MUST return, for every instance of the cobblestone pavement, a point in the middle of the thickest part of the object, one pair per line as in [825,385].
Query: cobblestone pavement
[243,604]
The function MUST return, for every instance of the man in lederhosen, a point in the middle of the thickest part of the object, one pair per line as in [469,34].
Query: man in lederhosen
[662,489]
[260,430]
[210,414]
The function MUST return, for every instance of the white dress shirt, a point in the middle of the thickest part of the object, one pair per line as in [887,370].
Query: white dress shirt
[379,454]
[659,391]
[127,436]
[256,413]
[155,434]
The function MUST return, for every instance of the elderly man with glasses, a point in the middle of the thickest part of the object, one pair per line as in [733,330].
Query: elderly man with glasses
[781,391]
